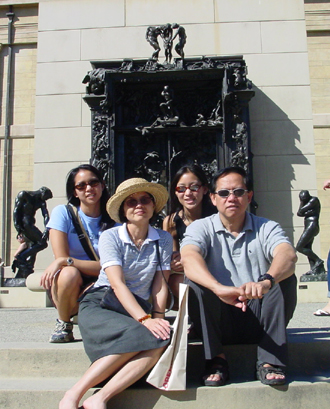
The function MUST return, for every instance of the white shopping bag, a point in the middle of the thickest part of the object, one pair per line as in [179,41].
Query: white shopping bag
[169,373]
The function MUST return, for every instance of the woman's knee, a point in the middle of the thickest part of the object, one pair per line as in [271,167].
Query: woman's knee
[69,277]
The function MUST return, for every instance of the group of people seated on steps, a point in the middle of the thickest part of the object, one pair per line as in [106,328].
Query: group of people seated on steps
[239,268]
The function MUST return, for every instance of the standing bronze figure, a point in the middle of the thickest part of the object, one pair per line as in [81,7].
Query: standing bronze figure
[152,38]
[181,34]
[310,208]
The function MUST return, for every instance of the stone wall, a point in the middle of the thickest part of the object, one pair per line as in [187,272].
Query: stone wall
[271,36]
[21,108]
[318,35]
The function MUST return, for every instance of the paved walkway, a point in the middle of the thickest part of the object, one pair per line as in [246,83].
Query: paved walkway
[36,324]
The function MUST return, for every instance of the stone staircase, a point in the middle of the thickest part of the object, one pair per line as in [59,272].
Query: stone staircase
[35,375]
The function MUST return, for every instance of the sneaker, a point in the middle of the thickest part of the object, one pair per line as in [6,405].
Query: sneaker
[63,332]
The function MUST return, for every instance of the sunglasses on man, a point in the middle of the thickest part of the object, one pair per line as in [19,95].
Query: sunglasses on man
[239,192]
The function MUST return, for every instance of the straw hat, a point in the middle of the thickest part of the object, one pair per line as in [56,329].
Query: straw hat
[134,185]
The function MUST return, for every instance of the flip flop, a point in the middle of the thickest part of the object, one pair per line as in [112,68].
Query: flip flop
[322,313]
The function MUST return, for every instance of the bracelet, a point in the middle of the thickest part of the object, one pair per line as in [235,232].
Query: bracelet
[144,318]
[158,312]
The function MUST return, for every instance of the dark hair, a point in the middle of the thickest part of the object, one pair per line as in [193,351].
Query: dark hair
[121,213]
[175,205]
[227,171]
[106,221]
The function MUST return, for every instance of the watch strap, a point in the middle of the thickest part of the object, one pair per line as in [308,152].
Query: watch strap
[269,277]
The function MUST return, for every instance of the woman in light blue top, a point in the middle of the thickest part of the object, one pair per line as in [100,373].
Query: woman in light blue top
[73,270]
[125,347]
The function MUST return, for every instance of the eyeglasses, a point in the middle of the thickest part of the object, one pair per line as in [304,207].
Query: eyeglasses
[83,185]
[144,200]
[192,188]
[239,192]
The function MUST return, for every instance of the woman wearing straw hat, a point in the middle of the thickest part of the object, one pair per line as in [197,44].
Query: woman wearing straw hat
[125,347]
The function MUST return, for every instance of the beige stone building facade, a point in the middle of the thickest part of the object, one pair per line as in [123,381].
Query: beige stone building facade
[318,36]
[284,44]
[17,112]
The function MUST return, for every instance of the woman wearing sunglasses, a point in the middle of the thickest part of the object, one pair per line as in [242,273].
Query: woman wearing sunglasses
[189,201]
[73,270]
[125,346]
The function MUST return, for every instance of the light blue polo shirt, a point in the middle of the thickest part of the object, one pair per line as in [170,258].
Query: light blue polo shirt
[236,260]
[117,249]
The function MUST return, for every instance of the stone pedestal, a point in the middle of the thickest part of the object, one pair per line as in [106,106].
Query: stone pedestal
[312,291]
[22,297]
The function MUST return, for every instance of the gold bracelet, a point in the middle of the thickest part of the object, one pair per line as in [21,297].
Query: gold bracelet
[144,318]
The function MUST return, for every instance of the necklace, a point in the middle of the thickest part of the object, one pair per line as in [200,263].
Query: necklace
[138,243]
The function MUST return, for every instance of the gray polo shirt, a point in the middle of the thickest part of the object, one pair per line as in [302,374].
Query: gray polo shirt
[236,260]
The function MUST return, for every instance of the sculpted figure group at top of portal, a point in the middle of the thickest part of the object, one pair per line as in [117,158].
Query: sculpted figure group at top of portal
[166,33]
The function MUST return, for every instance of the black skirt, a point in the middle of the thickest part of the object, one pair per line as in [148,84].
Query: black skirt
[106,332]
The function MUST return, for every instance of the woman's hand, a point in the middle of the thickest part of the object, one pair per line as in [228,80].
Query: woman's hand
[50,272]
[176,262]
[159,327]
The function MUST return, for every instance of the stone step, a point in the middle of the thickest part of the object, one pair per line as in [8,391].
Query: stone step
[35,375]
[41,393]
[309,355]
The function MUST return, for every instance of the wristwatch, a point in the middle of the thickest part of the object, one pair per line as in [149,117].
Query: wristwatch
[69,261]
[266,276]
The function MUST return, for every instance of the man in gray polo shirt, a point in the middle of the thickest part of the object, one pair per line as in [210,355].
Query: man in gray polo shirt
[240,268]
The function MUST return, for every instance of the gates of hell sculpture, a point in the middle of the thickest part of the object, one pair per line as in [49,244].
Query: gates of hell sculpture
[150,118]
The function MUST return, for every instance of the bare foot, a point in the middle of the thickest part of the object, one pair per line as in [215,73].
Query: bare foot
[94,402]
[68,402]
[217,372]
[273,375]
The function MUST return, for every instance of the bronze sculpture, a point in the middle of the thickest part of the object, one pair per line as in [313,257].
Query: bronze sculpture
[26,205]
[152,38]
[181,34]
[310,208]
[166,33]
[204,119]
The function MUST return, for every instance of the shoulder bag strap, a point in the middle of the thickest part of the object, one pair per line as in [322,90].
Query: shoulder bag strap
[161,269]
[81,232]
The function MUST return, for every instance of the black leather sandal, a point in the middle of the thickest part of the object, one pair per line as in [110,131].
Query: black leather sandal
[216,366]
[262,372]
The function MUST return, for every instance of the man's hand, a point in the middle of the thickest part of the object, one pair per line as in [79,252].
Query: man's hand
[233,296]
[254,290]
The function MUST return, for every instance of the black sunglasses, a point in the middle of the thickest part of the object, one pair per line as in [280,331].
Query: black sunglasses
[83,185]
[239,192]
[144,200]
